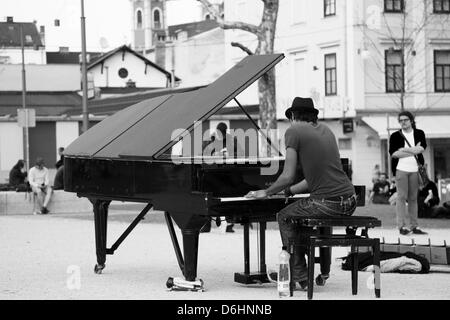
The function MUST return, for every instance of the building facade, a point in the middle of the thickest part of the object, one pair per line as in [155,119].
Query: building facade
[346,55]
[33,42]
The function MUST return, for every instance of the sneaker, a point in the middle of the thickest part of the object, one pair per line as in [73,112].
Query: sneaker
[404,231]
[44,210]
[36,212]
[418,231]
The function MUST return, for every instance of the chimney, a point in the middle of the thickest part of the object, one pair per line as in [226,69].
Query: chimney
[9,19]
[42,34]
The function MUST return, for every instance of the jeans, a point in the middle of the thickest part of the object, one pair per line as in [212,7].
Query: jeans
[407,188]
[293,233]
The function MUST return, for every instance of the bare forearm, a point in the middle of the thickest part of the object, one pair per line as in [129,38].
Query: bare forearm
[280,184]
[401,154]
[413,150]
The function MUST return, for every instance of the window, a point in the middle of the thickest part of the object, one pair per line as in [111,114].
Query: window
[139,19]
[394,70]
[394,5]
[442,71]
[345,143]
[441,6]
[123,73]
[156,19]
[329,8]
[330,75]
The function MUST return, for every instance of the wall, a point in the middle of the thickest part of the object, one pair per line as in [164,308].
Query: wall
[49,77]
[136,72]
[11,145]
[66,133]
[199,60]
[14,56]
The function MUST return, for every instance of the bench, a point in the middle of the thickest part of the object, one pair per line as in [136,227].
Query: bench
[23,203]
[325,239]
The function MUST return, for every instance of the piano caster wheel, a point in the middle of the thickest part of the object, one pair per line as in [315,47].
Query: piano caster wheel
[321,279]
[98,268]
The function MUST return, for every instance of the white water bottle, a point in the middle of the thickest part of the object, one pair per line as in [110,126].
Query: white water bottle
[284,274]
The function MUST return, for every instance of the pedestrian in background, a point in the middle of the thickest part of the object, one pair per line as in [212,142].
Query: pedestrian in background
[405,170]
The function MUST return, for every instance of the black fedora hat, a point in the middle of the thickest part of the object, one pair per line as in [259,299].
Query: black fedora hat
[304,105]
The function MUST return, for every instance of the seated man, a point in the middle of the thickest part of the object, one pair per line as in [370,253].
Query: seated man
[381,190]
[312,146]
[427,200]
[39,182]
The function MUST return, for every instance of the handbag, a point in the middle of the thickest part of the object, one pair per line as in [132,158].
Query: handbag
[421,170]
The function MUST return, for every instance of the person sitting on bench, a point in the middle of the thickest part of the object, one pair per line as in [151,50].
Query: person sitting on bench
[311,146]
[39,182]
[380,191]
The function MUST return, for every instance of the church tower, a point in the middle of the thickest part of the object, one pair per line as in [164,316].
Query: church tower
[149,23]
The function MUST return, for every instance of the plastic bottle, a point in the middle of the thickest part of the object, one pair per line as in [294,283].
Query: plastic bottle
[284,274]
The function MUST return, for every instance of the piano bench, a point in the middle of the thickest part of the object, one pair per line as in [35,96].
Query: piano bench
[326,239]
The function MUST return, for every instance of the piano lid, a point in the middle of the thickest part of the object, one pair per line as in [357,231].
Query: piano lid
[145,130]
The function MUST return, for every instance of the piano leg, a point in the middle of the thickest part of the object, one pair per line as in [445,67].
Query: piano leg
[100,221]
[190,250]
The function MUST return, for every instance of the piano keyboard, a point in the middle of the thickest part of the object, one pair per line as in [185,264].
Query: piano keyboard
[277,196]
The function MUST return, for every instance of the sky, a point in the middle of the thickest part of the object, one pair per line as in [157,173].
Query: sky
[108,22]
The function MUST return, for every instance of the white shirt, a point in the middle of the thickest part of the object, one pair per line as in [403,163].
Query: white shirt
[408,164]
[38,177]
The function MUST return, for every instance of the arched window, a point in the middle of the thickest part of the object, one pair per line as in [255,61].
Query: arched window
[139,19]
[157,19]
[207,17]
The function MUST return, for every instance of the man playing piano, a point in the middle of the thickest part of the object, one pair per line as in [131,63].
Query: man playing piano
[311,147]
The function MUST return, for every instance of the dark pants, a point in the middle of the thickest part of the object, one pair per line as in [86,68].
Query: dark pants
[293,233]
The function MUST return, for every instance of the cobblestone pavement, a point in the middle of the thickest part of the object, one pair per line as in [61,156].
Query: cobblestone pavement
[52,257]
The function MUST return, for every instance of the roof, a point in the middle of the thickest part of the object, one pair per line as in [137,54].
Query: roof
[193,28]
[109,106]
[124,48]
[434,126]
[10,34]
[68,57]
[45,103]
[147,129]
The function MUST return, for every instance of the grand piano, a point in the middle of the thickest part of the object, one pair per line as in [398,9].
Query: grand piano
[130,156]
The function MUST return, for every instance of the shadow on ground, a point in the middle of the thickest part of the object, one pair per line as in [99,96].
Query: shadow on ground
[126,212]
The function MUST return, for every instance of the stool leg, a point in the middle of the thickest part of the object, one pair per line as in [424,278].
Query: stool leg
[325,252]
[376,263]
[311,261]
[354,271]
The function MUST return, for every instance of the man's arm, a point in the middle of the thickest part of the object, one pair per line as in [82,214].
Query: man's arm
[31,178]
[46,179]
[286,178]
[301,187]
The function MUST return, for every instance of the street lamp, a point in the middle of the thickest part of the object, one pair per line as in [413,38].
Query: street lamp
[24,104]
[83,70]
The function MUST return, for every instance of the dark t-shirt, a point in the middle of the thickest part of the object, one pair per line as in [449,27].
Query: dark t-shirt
[319,159]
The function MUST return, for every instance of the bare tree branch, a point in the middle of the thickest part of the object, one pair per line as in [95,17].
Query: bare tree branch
[242,47]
